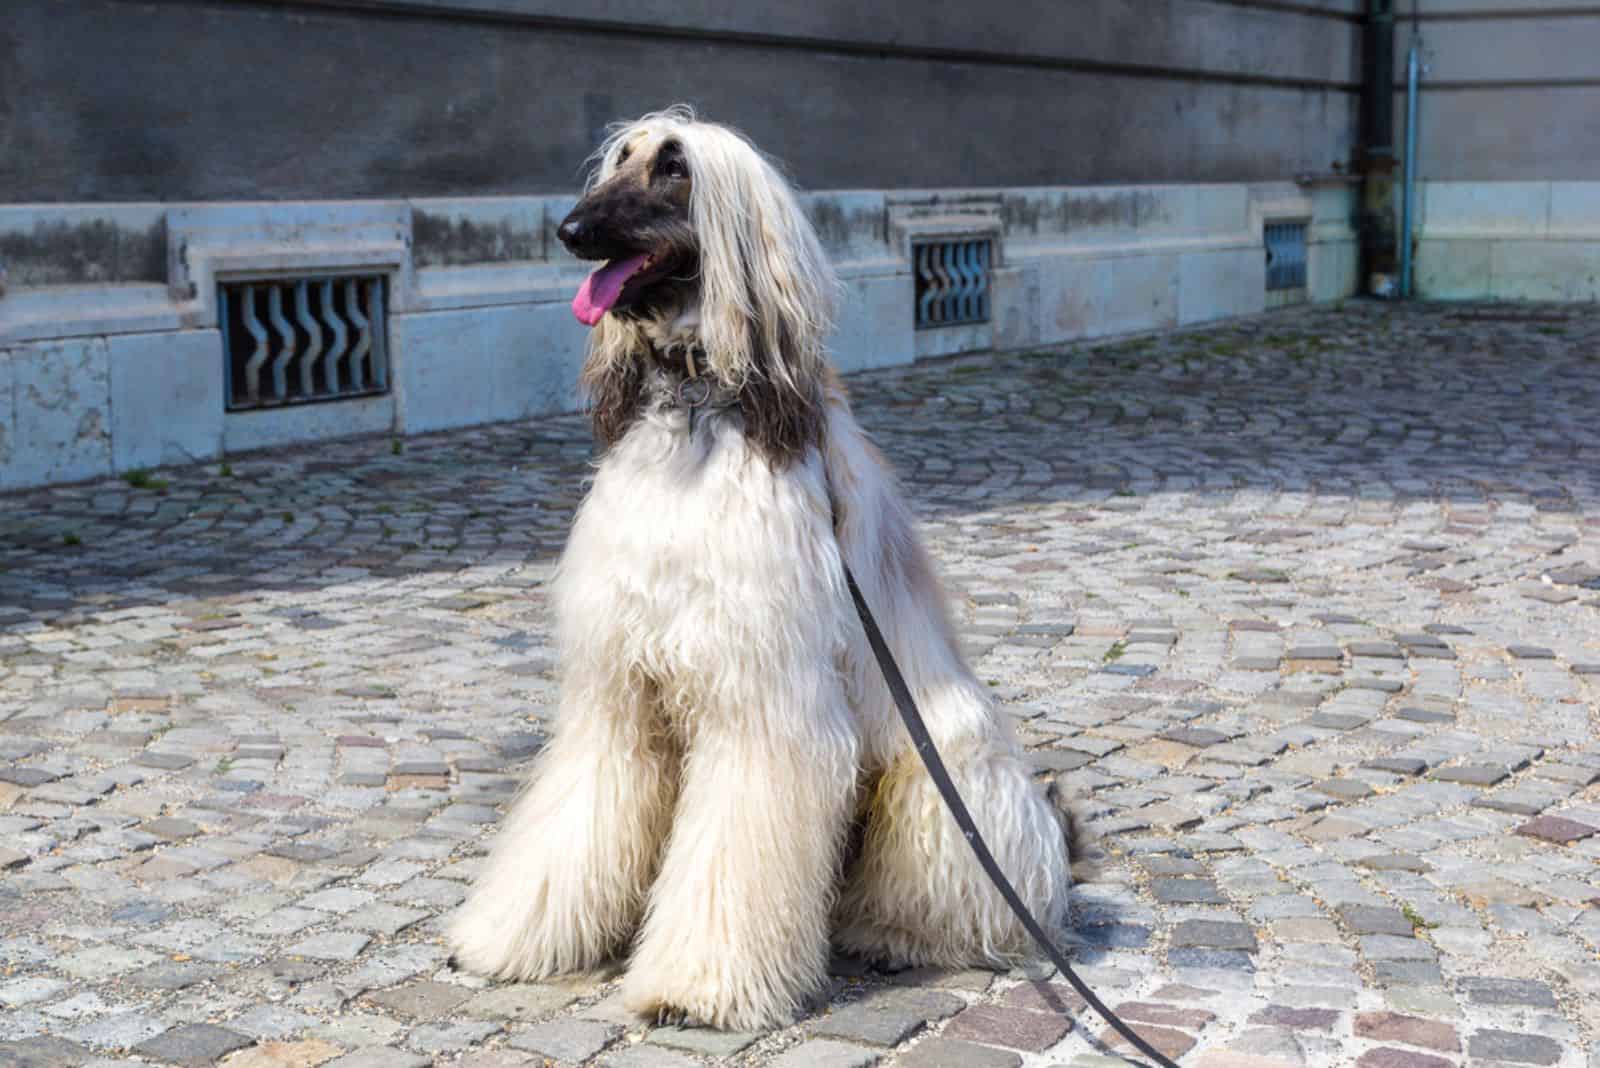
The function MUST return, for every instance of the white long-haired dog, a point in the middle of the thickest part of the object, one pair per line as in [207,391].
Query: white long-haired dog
[723,726]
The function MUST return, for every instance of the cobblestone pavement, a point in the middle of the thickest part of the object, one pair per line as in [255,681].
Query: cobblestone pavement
[1306,608]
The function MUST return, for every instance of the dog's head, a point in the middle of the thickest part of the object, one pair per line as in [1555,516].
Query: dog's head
[636,217]
[689,217]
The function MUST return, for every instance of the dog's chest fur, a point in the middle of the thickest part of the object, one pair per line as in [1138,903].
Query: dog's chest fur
[696,533]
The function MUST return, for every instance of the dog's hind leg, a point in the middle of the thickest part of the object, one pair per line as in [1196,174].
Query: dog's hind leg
[737,931]
[917,894]
[565,886]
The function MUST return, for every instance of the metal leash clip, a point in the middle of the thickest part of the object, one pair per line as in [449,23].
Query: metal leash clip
[694,390]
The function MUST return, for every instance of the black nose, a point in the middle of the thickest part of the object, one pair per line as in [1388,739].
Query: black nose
[572,233]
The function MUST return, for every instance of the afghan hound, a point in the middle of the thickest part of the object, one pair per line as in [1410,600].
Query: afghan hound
[728,788]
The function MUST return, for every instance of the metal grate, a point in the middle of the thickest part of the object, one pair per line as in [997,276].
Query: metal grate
[1286,255]
[952,282]
[301,340]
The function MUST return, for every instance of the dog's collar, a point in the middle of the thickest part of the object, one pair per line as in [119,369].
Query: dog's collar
[685,381]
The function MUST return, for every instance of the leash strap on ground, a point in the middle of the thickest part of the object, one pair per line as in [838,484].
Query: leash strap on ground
[958,808]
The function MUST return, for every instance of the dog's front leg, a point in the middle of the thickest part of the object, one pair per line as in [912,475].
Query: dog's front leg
[564,888]
[737,930]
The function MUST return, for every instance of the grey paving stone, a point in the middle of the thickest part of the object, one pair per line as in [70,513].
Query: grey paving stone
[451,1036]
[1376,920]
[704,1041]
[1471,774]
[334,945]
[1425,715]
[566,1039]
[194,1044]
[520,1001]
[1187,892]
[826,1053]
[1514,1047]
[953,1053]
[1494,991]
[43,1051]
[1397,765]
[427,999]
[887,1017]
[1198,957]
[380,1057]
[1213,934]
[1517,802]
[1407,973]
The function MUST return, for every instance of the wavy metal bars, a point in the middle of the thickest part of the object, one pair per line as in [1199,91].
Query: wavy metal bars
[304,339]
[952,282]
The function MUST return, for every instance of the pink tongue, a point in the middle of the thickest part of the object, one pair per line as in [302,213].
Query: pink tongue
[601,289]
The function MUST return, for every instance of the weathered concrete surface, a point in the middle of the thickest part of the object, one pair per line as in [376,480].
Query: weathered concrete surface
[1509,91]
[1509,241]
[479,293]
[1305,608]
[322,101]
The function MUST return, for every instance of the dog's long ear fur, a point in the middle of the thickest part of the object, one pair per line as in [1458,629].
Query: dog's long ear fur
[767,291]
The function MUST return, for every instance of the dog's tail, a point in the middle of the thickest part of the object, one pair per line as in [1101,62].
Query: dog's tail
[1082,851]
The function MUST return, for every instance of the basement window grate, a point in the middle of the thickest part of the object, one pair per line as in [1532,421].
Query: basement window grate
[952,282]
[1286,255]
[304,340]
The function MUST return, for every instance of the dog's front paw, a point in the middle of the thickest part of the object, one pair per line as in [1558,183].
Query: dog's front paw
[677,1016]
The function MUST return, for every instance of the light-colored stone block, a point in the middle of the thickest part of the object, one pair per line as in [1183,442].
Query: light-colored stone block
[1070,298]
[166,398]
[61,422]
[1014,307]
[1453,269]
[538,352]
[1546,270]
[1574,210]
[1194,210]
[303,423]
[876,323]
[1481,208]
[1141,293]
[460,368]
[1217,285]
[1332,268]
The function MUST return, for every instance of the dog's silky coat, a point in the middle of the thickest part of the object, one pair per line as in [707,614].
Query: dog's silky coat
[723,725]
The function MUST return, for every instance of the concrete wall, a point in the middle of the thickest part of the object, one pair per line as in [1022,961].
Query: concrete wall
[161,100]
[1509,241]
[126,371]
[1512,90]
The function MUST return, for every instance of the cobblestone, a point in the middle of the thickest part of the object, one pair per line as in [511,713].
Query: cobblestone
[1347,770]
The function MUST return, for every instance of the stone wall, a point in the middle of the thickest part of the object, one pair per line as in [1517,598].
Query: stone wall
[1511,90]
[128,371]
[1508,241]
[224,100]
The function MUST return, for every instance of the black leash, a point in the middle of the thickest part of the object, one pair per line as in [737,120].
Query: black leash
[958,808]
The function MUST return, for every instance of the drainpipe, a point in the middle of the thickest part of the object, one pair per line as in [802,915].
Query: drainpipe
[1376,155]
[1409,189]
